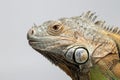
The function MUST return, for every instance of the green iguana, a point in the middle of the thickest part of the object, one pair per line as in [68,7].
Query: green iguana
[83,47]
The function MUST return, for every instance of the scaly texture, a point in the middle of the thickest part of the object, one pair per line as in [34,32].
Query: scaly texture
[84,48]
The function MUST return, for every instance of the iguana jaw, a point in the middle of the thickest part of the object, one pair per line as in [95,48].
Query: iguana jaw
[53,45]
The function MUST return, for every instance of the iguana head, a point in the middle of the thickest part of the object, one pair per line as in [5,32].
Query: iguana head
[57,40]
[51,36]
[73,44]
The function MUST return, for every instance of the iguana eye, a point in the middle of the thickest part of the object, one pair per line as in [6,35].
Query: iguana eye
[55,29]
[78,55]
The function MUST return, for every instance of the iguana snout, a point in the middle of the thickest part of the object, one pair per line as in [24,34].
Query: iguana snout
[50,36]
[30,33]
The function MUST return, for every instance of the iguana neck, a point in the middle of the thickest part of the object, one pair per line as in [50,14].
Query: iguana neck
[80,76]
[74,72]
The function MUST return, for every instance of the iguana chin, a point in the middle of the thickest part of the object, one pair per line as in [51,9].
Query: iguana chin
[77,44]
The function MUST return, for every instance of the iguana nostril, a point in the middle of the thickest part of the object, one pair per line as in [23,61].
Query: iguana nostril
[30,33]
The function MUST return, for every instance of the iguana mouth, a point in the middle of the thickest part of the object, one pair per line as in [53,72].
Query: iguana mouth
[32,42]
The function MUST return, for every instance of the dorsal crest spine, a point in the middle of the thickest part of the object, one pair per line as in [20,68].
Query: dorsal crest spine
[89,16]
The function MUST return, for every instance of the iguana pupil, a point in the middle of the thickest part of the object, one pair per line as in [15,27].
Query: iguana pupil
[56,27]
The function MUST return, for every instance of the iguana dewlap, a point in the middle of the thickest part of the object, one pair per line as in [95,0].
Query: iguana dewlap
[76,44]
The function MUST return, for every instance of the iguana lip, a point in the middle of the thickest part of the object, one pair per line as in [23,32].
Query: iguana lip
[32,41]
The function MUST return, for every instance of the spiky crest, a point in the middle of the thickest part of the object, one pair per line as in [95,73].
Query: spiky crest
[91,17]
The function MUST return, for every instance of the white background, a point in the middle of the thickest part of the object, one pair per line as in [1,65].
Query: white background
[18,61]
